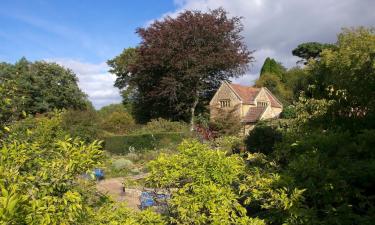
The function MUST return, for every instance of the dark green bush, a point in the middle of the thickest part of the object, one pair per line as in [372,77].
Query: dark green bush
[141,142]
[288,112]
[262,139]
[81,123]
[161,125]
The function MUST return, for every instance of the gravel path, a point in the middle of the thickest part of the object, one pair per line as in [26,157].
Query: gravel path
[113,187]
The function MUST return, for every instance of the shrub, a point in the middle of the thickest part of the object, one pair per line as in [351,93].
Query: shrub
[288,112]
[203,183]
[43,129]
[163,125]
[122,163]
[82,124]
[107,110]
[38,182]
[262,139]
[118,123]
[230,144]
[140,142]
[132,156]
[226,123]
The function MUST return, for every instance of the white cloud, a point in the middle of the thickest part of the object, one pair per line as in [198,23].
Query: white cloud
[94,80]
[273,28]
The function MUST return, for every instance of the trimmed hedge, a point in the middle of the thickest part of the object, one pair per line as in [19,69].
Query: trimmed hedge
[140,142]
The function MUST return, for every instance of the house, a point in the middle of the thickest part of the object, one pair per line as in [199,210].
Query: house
[248,104]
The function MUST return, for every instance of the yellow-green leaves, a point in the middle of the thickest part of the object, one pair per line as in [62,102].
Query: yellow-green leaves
[204,181]
[45,176]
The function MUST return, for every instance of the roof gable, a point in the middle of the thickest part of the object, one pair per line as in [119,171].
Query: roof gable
[247,94]
[274,101]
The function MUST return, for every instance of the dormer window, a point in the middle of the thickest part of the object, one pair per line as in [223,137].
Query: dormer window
[263,104]
[224,103]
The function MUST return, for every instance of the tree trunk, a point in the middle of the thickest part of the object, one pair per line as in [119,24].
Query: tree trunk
[192,110]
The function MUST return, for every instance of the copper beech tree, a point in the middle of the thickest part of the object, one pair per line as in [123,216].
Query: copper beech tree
[180,62]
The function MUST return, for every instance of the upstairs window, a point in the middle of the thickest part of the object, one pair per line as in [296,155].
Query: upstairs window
[264,104]
[224,103]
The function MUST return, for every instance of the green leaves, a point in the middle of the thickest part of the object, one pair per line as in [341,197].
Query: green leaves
[204,181]
[44,175]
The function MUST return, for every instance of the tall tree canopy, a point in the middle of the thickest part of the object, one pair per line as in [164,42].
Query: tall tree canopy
[181,61]
[270,66]
[310,50]
[43,86]
[346,75]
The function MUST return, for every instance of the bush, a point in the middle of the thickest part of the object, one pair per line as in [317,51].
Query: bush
[203,183]
[82,124]
[38,182]
[288,112]
[162,125]
[262,139]
[230,144]
[118,123]
[226,123]
[132,156]
[140,142]
[121,164]
[44,129]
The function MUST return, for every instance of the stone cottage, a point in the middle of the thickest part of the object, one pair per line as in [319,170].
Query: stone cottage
[248,104]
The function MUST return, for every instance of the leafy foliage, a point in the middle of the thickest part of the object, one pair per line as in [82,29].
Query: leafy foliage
[107,110]
[37,182]
[347,76]
[229,144]
[276,86]
[181,62]
[205,185]
[124,144]
[270,66]
[81,123]
[116,214]
[227,122]
[310,50]
[43,86]
[262,139]
[118,122]
[162,125]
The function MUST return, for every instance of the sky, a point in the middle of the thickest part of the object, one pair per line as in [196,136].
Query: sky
[83,35]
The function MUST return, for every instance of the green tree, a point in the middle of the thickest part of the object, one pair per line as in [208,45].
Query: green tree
[276,86]
[296,80]
[328,149]
[270,66]
[43,86]
[310,50]
[347,76]
[181,62]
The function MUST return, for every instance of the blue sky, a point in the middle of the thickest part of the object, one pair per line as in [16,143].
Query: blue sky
[83,34]
[86,30]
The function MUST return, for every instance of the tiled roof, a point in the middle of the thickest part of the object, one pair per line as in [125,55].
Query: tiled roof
[254,114]
[247,94]
[273,100]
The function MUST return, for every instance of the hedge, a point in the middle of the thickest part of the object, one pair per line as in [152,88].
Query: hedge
[141,142]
